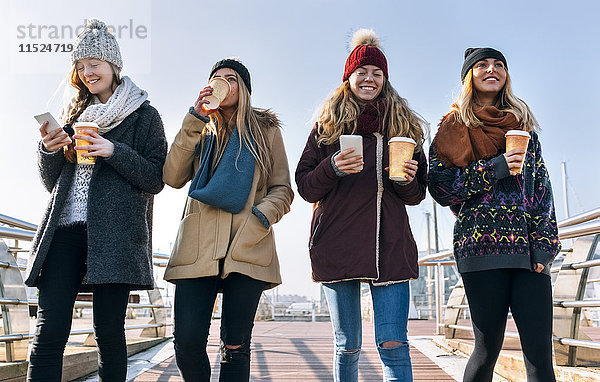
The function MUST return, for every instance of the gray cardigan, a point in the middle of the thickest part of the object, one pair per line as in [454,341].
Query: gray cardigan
[119,206]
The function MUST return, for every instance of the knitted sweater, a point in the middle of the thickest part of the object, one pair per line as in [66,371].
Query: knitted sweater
[503,221]
[75,209]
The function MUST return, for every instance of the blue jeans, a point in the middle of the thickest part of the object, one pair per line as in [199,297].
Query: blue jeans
[390,308]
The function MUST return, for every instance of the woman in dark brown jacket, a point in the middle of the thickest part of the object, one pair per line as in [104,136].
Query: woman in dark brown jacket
[360,230]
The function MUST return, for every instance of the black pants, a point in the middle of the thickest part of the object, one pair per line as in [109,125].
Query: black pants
[194,301]
[59,283]
[529,297]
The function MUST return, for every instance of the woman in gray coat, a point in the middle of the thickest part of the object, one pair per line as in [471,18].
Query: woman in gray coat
[96,232]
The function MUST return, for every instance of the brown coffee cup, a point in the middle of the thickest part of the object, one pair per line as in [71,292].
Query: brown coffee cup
[517,139]
[221,89]
[78,128]
[401,150]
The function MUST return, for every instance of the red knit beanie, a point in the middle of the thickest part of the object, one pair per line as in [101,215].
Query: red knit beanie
[366,52]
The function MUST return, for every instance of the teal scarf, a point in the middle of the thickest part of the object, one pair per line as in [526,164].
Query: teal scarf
[228,188]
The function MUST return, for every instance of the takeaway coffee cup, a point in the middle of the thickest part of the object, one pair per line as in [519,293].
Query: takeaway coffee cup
[401,150]
[517,139]
[221,89]
[78,128]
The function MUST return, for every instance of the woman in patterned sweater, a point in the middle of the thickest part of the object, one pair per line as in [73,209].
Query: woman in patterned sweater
[505,235]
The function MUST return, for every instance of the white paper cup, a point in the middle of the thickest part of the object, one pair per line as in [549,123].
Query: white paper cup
[221,89]
[517,139]
[401,150]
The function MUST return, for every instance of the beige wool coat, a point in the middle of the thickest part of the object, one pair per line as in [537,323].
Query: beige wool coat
[208,234]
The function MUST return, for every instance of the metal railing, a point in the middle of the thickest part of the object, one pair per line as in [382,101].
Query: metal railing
[572,347]
[14,303]
[581,218]
[12,222]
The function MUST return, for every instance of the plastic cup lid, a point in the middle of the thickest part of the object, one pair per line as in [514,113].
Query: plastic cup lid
[517,132]
[402,139]
[84,124]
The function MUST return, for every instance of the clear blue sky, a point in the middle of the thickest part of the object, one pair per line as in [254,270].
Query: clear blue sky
[296,52]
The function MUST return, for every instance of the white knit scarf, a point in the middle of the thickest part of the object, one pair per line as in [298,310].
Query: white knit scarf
[126,99]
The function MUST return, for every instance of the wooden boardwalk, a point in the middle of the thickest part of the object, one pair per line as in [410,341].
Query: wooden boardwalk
[303,351]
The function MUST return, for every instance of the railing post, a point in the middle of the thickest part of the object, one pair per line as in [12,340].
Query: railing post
[159,316]
[439,297]
[452,315]
[273,305]
[570,286]
[15,318]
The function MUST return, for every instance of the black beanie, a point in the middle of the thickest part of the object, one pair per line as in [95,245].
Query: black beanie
[235,64]
[474,55]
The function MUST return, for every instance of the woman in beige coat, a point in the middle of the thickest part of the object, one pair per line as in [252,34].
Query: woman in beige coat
[240,188]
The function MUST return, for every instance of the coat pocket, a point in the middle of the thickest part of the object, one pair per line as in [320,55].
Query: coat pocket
[187,244]
[253,243]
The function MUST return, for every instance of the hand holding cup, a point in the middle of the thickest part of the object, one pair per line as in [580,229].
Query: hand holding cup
[201,100]
[89,144]
[211,96]
[94,144]
[514,160]
[516,148]
[402,167]
[410,168]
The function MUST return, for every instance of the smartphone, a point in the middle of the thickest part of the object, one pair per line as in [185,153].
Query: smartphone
[52,124]
[352,141]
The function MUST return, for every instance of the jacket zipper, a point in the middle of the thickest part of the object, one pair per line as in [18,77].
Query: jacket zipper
[312,237]
[379,172]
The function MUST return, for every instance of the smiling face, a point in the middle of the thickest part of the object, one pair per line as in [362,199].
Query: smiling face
[98,76]
[489,77]
[366,82]
[233,97]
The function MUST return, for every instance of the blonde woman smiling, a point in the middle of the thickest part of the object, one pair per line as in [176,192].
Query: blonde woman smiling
[505,235]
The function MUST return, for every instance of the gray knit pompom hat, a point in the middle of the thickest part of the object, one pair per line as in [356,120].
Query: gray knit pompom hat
[95,41]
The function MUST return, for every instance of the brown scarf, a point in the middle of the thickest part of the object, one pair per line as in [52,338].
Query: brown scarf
[458,145]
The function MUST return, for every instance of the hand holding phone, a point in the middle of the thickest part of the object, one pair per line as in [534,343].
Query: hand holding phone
[353,160]
[53,136]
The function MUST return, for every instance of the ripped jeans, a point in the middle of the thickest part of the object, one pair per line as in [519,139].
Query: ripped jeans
[390,310]
[194,300]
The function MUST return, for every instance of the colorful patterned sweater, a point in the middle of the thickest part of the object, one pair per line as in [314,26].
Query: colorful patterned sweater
[503,221]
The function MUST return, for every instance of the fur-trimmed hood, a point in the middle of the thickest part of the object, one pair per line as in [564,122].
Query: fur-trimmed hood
[267,118]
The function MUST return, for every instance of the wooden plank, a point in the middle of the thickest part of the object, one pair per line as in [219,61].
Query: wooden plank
[303,351]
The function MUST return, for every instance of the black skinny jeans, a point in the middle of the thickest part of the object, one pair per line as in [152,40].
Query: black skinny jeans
[529,297]
[194,301]
[59,283]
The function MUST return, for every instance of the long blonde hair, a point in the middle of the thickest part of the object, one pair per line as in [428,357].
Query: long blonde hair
[251,127]
[340,113]
[505,100]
